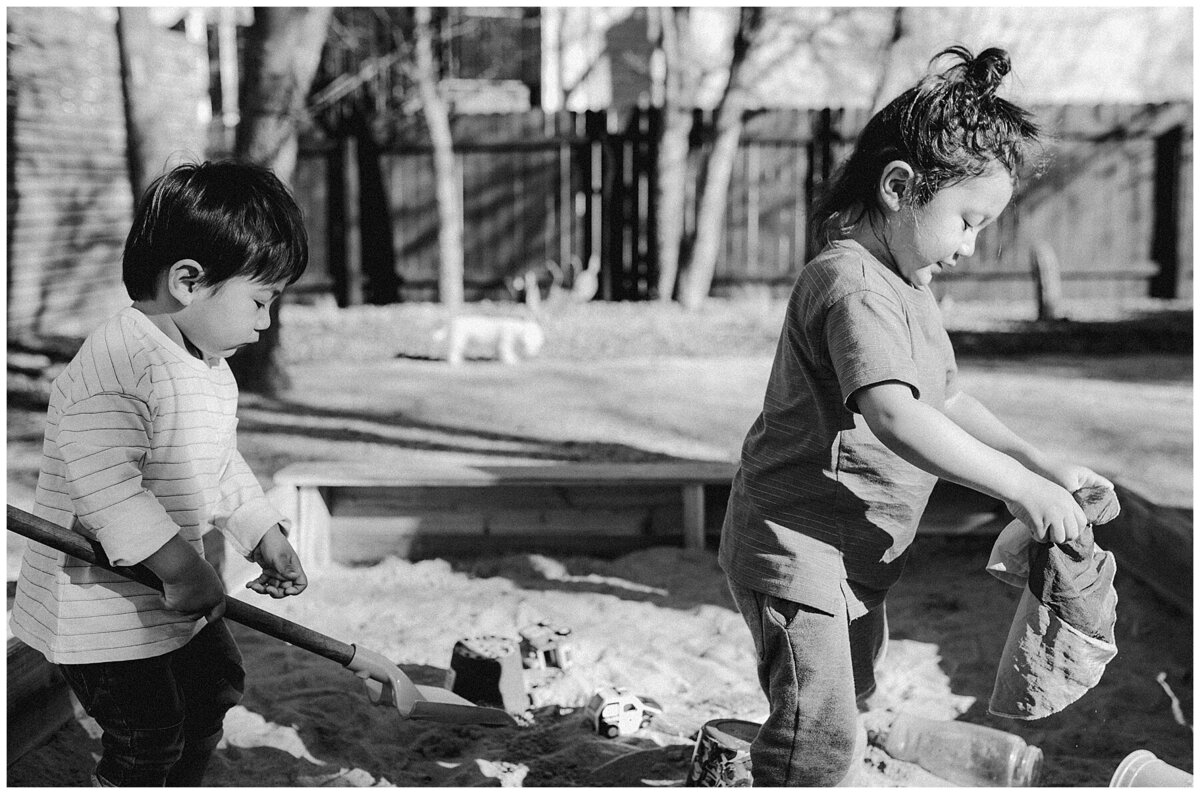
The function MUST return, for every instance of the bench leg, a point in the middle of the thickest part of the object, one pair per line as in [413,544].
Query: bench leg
[693,516]
[313,529]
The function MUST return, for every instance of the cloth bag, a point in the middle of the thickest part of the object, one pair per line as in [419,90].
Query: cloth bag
[1062,634]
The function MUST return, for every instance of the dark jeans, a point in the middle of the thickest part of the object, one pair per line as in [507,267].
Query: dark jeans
[162,716]
[815,669]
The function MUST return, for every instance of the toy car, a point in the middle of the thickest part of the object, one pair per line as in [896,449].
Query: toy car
[615,711]
[545,646]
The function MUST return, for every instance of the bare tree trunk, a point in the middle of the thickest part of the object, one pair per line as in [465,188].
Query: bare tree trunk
[283,50]
[696,280]
[449,195]
[673,148]
[149,142]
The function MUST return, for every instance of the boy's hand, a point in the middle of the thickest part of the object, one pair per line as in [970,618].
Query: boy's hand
[201,595]
[190,583]
[1048,510]
[282,575]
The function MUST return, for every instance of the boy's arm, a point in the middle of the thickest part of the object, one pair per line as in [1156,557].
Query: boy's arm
[244,513]
[103,441]
[930,440]
[971,415]
[258,531]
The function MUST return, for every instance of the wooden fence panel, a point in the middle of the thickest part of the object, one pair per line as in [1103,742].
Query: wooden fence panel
[70,200]
[69,197]
[510,213]
[408,183]
[570,186]
[764,227]
[1093,206]
[314,188]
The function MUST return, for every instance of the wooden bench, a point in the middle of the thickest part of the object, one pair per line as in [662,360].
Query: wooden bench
[39,699]
[313,493]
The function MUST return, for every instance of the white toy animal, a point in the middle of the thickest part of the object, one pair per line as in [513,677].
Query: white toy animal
[508,339]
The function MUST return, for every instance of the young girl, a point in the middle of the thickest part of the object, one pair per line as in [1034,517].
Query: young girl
[863,413]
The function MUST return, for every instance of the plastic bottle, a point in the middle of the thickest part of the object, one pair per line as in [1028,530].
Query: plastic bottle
[1143,768]
[962,753]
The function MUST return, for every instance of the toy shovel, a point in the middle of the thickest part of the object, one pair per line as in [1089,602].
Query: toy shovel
[386,683]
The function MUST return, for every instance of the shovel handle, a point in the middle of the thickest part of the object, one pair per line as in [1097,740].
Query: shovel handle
[69,542]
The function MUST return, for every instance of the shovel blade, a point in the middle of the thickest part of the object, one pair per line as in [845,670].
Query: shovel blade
[388,685]
[442,705]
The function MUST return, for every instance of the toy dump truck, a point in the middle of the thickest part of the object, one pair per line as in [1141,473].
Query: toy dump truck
[615,711]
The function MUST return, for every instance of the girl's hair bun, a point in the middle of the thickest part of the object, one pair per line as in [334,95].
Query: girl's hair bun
[950,126]
[983,72]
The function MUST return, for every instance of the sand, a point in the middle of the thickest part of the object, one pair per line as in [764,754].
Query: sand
[660,622]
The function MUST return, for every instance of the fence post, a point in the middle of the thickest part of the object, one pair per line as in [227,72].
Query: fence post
[1164,241]
[597,136]
[820,156]
[1047,281]
[351,242]
[565,208]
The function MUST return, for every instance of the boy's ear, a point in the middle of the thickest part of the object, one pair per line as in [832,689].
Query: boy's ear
[183,280]
[894,184]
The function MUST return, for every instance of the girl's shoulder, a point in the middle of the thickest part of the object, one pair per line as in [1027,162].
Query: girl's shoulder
[840,269]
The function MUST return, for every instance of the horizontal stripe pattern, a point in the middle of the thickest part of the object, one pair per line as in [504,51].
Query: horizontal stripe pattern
[821,512]
[140,445]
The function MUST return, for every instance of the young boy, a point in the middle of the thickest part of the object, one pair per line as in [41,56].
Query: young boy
[140,454]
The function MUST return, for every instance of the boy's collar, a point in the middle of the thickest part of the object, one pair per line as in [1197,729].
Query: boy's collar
[191,348]
[175,334]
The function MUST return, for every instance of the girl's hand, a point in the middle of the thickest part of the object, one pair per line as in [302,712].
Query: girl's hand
[282,575]
[1072,477]
[1048,510]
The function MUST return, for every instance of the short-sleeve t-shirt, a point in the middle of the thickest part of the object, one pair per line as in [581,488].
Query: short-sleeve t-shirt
[821,512]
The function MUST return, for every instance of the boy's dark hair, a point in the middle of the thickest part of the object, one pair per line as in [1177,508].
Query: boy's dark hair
[234,218]
[948,127]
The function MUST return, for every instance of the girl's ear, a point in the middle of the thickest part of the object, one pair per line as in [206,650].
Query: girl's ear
[894,184]
[183,280]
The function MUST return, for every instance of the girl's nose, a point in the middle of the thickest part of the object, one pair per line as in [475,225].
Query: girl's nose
[968,244]
[263,321]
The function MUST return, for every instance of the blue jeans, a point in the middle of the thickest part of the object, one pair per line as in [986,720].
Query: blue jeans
[815,669]
[162,716]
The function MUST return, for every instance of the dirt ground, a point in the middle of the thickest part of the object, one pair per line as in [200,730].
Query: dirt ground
[659,620]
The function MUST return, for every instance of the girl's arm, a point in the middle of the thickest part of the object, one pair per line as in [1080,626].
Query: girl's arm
[971,415]
[930,440]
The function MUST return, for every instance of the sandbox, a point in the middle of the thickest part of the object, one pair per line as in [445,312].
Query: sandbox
[659,621]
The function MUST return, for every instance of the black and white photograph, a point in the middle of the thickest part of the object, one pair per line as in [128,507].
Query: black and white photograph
[600,396]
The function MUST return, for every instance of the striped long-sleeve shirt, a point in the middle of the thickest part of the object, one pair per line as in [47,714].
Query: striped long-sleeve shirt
[140,446]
